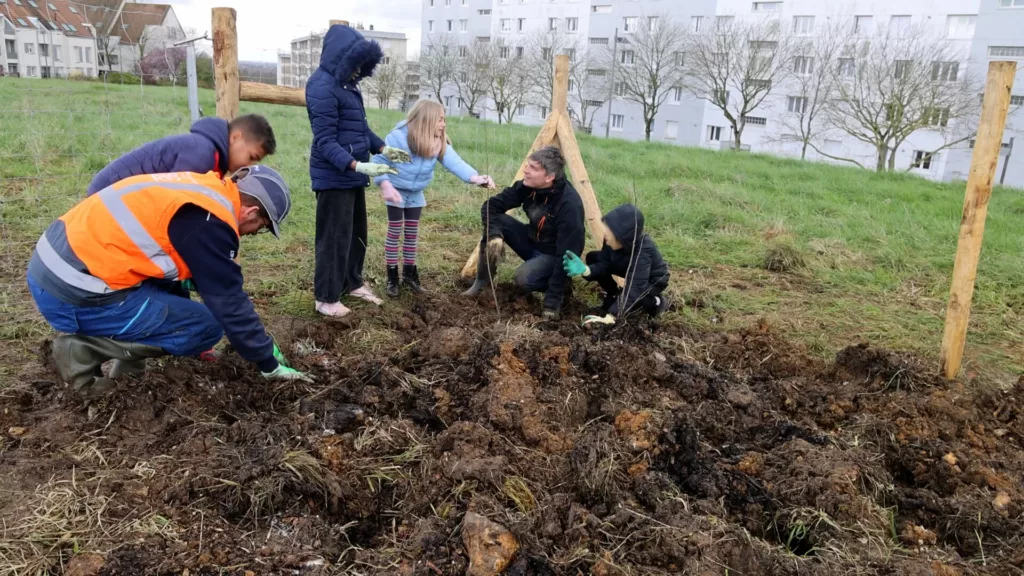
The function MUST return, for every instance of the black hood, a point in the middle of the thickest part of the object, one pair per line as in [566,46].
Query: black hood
[627,224]
[345,51]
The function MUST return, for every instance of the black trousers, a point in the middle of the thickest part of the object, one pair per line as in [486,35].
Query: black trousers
[340,243]
[613,294]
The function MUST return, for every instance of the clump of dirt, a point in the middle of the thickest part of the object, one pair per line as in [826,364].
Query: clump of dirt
[474,440]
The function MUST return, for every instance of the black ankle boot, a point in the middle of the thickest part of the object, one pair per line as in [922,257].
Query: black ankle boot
[392,286]
[411,278]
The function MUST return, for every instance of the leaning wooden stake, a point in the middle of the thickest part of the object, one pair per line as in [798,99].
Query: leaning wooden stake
[225,62]
[972,225]
[557,131]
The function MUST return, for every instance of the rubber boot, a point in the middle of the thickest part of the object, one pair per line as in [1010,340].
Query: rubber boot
[485,272]
[411,279]
[392,286]
[132,362]
[78,359]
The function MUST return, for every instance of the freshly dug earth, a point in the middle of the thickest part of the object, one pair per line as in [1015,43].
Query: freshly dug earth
[475,440]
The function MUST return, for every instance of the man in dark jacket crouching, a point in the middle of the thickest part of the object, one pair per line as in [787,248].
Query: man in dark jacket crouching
[556,217]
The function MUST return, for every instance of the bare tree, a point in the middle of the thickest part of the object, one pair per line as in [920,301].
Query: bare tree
[472,74]
[438,63]
[510,79]
[648,64]
[811,89]
[737,65]
[901,82]
[587,73]
[388,81]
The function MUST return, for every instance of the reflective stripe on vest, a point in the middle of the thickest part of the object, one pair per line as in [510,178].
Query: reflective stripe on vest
[58,259]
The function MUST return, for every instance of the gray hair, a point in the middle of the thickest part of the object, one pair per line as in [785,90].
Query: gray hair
[550,158]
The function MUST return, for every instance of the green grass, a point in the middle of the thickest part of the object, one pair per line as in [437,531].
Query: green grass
[872,254]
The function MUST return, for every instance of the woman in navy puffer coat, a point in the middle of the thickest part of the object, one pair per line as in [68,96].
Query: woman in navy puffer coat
[342,141]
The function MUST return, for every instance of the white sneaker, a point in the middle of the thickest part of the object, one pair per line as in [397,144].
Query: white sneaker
[364,293]
[334,309]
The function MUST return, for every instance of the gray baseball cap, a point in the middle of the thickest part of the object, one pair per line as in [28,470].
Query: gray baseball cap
[267,186]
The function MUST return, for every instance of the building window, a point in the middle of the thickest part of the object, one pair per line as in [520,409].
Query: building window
[1011,3]
[960,26]
[629,24]
[797,104]
[521,111]
[755,120]
[803,65]
[652,23]
[599,41]
[945,71]
[463,25]
[431,3]
[545,53]
[714,133]
[756,84]
[463,51]
[602,9]
[58,54]
[506,24]
[923,160]
[78,54]
[677,94]
[572,24]
[671,130]
[862,24]
[485,12]
[723,21]
[899,25]
[593,103]
[937,117]
[617,120]
[552,24]
[696,23]
[803,25]
[447,2]
[627,57]
[519,51]
[503,52]
[520,24]
[430,25]
[30,48]
[1016,100]
[620,88]
[465,2]
[451,25]
[902,69]
[767,6]
[1006,51]
[679,58]
[30,71]
[846,67]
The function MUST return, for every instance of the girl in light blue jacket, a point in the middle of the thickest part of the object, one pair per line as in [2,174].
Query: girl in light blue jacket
[423,135]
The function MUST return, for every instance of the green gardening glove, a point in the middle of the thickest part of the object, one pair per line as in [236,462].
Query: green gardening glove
[574,266]
[607,320]
[188,285]
[283,372]
[373,170]
[396,155]
[279,356]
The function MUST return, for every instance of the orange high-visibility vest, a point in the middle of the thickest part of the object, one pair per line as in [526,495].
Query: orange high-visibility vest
[120,233]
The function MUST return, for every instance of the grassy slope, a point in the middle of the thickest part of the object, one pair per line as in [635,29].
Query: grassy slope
[877,249]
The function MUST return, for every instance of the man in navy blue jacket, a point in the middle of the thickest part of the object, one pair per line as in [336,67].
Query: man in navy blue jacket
[339,166]
[212,145]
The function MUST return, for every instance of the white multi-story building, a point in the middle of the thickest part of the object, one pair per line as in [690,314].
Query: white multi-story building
[46,39]
[294,68]
[980,30]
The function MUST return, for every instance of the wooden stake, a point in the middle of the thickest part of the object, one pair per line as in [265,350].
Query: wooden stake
[225,62]
[342,22]
[271,94]
[987,146]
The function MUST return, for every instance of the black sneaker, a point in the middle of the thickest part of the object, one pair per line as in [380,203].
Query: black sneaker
[411,278]
[392,285]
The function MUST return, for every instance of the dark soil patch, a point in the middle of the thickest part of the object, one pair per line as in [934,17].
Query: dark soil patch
[604,452]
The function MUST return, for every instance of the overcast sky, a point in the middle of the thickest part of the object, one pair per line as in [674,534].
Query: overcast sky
[264,27]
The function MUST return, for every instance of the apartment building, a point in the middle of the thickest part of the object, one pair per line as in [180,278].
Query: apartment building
[46,39]
[295,67]
[978,30]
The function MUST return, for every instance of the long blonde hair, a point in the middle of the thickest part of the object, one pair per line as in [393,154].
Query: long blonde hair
[422,120]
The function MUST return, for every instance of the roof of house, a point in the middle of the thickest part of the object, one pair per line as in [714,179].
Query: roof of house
[101,13]
[135,18]
[48,15]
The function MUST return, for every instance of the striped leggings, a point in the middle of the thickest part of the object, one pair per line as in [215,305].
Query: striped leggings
[399,218]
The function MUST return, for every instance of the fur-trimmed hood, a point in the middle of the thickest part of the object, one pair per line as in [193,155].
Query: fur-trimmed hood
[346,51]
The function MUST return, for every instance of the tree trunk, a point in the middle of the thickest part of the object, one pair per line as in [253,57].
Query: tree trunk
[648,126]
[738,135]
[882,151]
[892,160]
[803,151]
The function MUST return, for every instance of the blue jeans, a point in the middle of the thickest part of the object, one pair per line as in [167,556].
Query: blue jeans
[150,315]
[536,271]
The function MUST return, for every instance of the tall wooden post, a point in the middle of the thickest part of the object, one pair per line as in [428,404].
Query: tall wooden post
[225,62]
[342,22]
[987,146]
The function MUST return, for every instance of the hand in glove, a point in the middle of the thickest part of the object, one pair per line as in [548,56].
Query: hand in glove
[607,320]
[396,155]
[574,266]
[389,193]
[373,170]
[482,181]
[283,372]
[551,315]
[279,356]
[188,285]
[495,246]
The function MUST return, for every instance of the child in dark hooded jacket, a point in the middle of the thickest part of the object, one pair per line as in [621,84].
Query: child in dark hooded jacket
[629,253]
